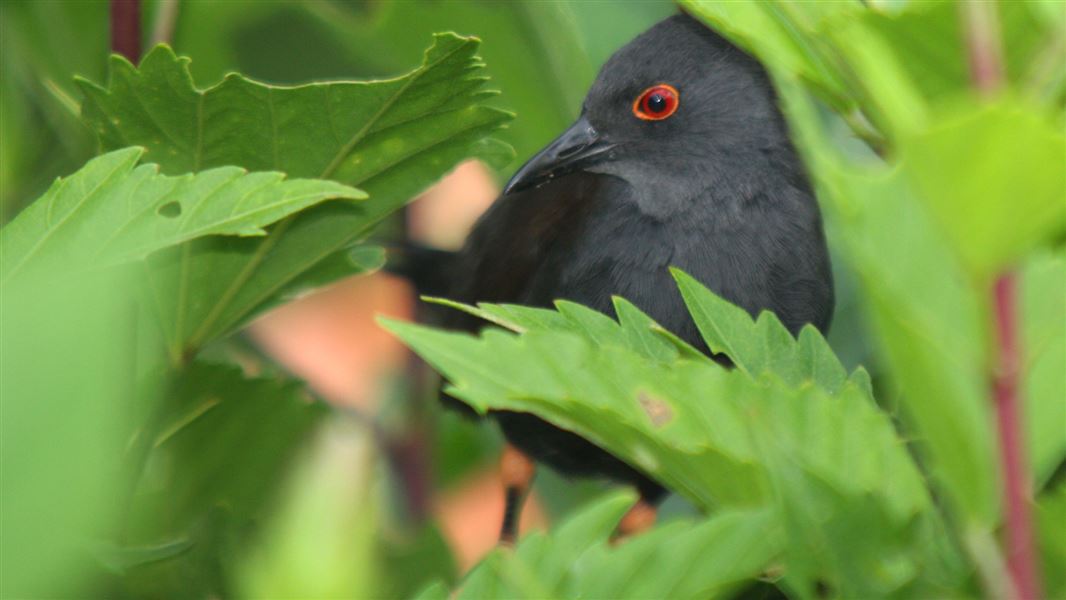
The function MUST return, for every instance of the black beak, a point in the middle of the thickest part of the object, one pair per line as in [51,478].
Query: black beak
[578,147]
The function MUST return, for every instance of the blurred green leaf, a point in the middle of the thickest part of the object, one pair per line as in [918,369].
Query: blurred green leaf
[1051,535]
[42,46]
[780,35]
[120,559]
[984,174]
[682,559]
[391,138]
[929,321]
[321,544]
[1043,334]
[217,447]
[214,411]
[111,212]
[66,395]
[928,43]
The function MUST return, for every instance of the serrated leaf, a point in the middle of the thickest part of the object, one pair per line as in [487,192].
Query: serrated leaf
[112,211]
[719,437]
[682,559]
[662,416]
[764,345]
[391,138]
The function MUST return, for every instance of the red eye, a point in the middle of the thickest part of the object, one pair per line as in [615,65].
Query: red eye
[656,103]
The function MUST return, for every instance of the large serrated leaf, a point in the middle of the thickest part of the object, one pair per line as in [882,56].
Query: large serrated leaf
[111,211]
[789,430]
[391,138]
[763,345]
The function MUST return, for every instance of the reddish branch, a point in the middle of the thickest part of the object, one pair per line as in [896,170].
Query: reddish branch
[987,74]
[1021,559]
[126,29]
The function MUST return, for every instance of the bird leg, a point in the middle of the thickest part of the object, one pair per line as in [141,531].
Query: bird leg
[516,471]
[640,517]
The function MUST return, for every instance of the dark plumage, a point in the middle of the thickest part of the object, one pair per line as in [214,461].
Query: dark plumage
[716,189]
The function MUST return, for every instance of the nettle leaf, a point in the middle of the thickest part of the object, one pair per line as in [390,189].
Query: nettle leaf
[808,441]
[391,138]
[681,559]
[112,211]
[763,345]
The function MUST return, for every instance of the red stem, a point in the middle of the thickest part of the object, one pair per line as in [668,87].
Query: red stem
[1021,558]
[988,76]
[126,29]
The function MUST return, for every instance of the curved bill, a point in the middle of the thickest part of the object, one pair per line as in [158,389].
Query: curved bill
[578,147]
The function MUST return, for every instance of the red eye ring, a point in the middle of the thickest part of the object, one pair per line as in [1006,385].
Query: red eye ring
[656,103]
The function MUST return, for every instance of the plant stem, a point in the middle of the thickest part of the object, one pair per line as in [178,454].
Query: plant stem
[126,29]
[1021,559]
[165,18]
[987,73]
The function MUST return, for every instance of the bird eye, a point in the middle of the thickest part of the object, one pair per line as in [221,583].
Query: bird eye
[656,103]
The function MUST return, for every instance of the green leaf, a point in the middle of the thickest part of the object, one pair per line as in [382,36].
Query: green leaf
[928,43]
[1051,535]
[582,387]
[391,138]
[929,322]
[764,345]
[682,559]
[780,35]
[119,559]
[985,173]
[256,424]
[111,211]
[719,437]
[1043,333]
[65,395]
[217,450]
[321,543]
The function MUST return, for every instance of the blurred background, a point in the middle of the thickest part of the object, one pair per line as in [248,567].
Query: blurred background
[425,480]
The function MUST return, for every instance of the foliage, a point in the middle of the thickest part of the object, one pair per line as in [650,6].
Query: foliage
[680,560]
[139,459]
[147,266]
[964,189]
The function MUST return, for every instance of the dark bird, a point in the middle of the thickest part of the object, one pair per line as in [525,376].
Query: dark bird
[680,157]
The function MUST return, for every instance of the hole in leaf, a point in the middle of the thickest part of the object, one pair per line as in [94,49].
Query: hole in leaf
[170,210]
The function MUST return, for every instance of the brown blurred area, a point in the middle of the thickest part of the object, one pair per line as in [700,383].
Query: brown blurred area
[331,340]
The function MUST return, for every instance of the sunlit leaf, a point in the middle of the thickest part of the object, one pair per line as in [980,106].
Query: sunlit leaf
[985,174]
[111,211]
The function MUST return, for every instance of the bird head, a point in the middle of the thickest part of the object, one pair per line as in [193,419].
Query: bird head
[674,113]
